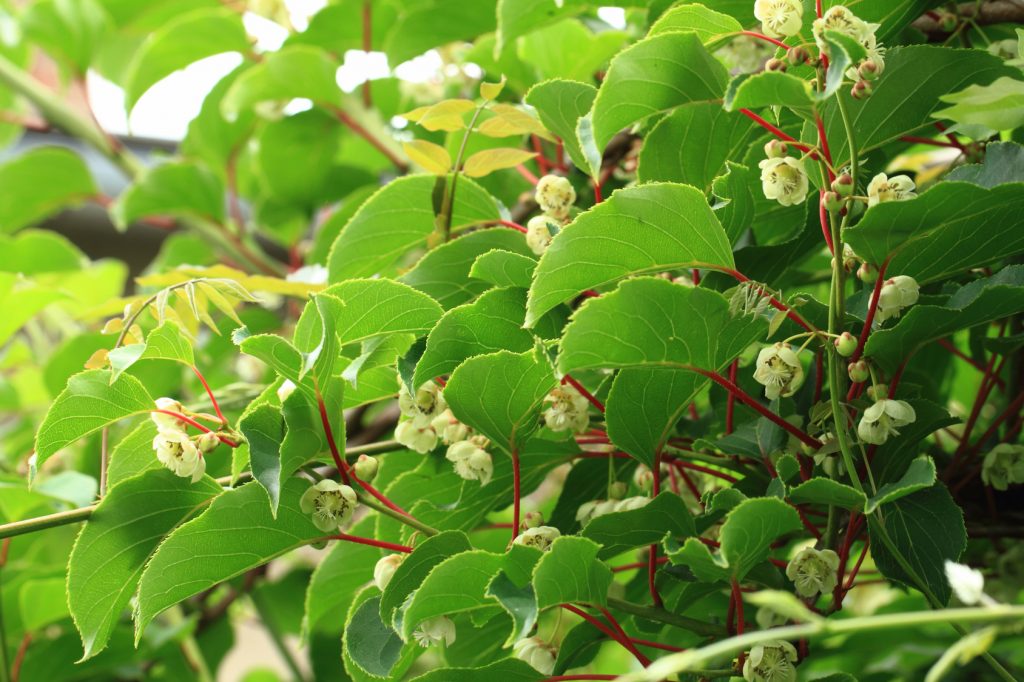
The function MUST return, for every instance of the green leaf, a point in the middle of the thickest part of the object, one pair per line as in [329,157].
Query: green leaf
[133,454]
[519,602]
[316,337]
[42,602]
[177,188]
[371,644]
[579,647]
[456,585]
[570,49]
[821,490]
[491,323]
[295,71]
[639,230]
[843,51]
[90,402]
[41,182]
[667,154]
[70,30]
[506,670]
[345,568]
[398,219]
[314,136]
[569,572]
[927,528]
[113,546]
[504,269]
[654,75]
[996,106]
[736,209]
[426,24]
[768,88]
[411,573]
[953,227]
[166,342]
[263,428]
[31,252]
[444,272]
[22,300]
[381,307]
[236,533]
[560,104]
[1003,162]
[706,23]
[980,302]
[620,531]
[517,18]
[280,354]
[182,41]
[500,395]
[919,475]
[905,98]
[746,538]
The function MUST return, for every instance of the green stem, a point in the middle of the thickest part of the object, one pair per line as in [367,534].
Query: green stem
[660,615]
[275,635]
[397,516]
[449,197]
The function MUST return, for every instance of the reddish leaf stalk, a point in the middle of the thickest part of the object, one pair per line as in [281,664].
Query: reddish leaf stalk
[928,141]
[584,392]
[730,402]
[527,175]
[683,464]
[372,543]
[362,132]
[945,343]
[542,161]
[652,555]
[558,678]
[738,599]
[216,407]
[628,645]
[872,309]
[192,422]
[779,133]
[637,565]
[767,39]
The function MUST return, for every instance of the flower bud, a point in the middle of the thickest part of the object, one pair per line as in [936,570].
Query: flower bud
[850,258]
[617,490]
[861,90]
[858,371]
[366,468]
[537,653]
[833,202]
[878,392]
[867,273]
[776,149]
[425,405]
[846,344]
[532,519]
[632,503]
[868,70]
[567,411]
[540,230]
[555,195]
[843,185]
[385,569]
[897,294]
[540,537]
[207,442]
[813,571]
[775,64]
[419,439]
[798,55]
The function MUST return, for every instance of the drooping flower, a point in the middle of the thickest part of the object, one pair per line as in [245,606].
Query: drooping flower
[813,571]
[421,439]
[567,410]
[166,422]
[385,569]
[967,583]
[330,503]
[425,405]
[434,631]
[896,294]
[540,230]
[1003,466]
[773,661]
[784,180]
[450,429]
[179,453]
[537,653]
[632,503]
[591,510]
[471,461]
[778,369]
[882,419]
[555,195]
[882,188]
[779,18]
[744,54]
[540,537]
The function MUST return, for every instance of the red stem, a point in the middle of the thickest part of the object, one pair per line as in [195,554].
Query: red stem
[216,407]
[1006,414]
[945,343]
[779,133]
[817,8]
[636,565]
[597,191]
[730,402]
[192,422]
[826,231]
[951,137]
[683,464]
[527,175]
[872,309]
[509,223]
[652,556]
[738,598]
[823,139]
[371,542]
[694,490]
[644,661]
[979,401]
[856,566]
[761,36]
[362,132]
[584,392]
[655,645]
[542,161]
[367,46]
[516,483]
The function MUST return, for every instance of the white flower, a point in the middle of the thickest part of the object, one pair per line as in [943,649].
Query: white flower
[589,511]
[540,537]
[285,390]
[567,410]
[425,405]
[540,230]
[166,422]
[471,461]
[421,439]
[632,503]
[435,631]
[882,188]
[744,54]
[771,662]
[896,294]
[309,274]
[842,20]
[331,504]
[813,571]
[1003,466]
[779,18]
[179,453]
[538,653]
[967,583]
[450,429]
[778,369]
[554,195]
[385,569]
[784,180]
[881,420]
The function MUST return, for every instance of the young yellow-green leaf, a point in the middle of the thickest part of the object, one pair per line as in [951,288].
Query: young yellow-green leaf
[294,71]
[263,428]
[182,41]
[706,23]
[644,229]
[72,31]
[90,402]
[654,75]
[236,533]
[456,585]
[228,280]
[997,106]
[746,538]
[411,573]
[177,188]
[397,219]
[500,394]
[560,105]
[489,160]
[21,300]
[41,182]
[507,120]
[571,572]
[346,567]
[624,530]
[433,158]
[115,543]
[490,91]
[166,342]
[504,269]
[448,115]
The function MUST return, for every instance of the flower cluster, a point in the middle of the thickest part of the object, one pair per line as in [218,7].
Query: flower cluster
[567,410]
[555,196]
[537,653]
[471,461]
[175,449]
[1003,466]
[896,294]
[330,503]
[883,418]
[773,661]
[813,571]
[418,431]
[778,369]
[841,20]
